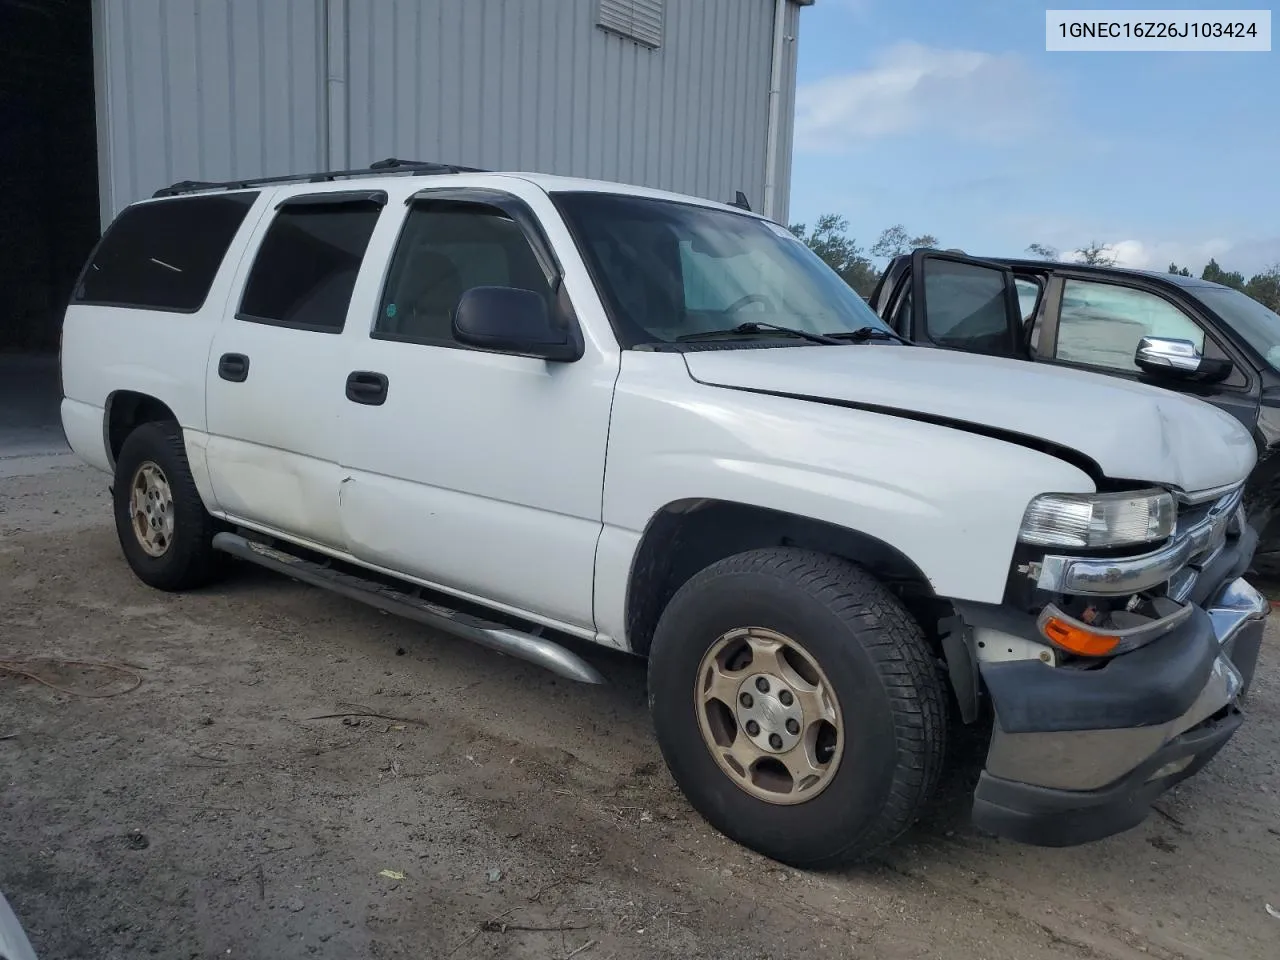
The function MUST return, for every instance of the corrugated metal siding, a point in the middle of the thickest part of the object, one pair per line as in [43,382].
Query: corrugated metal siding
[536,85]
[214,89]
[199,90]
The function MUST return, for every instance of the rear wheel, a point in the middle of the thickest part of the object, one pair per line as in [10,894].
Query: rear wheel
[164,530]
[797,705]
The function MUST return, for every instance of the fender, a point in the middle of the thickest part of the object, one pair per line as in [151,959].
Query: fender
[949,500]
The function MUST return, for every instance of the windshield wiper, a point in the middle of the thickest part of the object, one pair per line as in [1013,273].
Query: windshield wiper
[757,326]
[863,334]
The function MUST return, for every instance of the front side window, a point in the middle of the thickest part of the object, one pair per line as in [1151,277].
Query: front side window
[965,306]
[446,248]
[164,254]
[1252,321]
[1100,324]
[669,270]
[306,267]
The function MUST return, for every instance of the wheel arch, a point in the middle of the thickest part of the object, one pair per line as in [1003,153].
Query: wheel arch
[126,410]
[688,535]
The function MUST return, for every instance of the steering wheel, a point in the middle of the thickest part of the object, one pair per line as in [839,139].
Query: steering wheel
[750,298]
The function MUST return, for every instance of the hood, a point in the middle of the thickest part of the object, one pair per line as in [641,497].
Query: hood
[1130,430]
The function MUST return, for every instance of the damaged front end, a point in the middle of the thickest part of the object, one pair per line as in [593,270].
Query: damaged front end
[1113,672]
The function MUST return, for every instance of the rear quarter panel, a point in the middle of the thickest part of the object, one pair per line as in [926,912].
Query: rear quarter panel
[109,349]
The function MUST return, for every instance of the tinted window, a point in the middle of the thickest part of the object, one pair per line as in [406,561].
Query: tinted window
[668,269]
[1253,321]
[966,307]
[164,254]
[1101,323]
[307,265]
[445,249]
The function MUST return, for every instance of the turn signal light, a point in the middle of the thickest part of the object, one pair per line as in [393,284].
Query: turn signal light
[1072,637]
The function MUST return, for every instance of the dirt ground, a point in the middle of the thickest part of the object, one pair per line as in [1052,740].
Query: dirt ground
[211,812]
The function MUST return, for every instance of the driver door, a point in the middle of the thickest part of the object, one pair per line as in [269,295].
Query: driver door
[954,302]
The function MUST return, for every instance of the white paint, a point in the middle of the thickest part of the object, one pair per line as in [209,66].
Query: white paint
[527,485]
[1131,430]
[950,501]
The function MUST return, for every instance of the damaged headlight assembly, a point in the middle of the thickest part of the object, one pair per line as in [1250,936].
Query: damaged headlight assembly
[1104,521]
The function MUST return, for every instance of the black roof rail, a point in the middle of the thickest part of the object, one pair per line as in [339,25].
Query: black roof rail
[382,167]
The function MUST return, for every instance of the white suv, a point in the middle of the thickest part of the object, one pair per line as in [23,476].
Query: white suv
[538,411]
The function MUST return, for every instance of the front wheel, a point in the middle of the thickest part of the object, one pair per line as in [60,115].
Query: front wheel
[797,705]
[165,532]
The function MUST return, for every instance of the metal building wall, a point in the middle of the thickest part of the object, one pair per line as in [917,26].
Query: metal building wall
[216,89]
[206,90]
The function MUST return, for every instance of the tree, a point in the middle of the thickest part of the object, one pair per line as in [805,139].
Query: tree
[1216,274]
[830,240]
[1265,287]
[1096,255]
[1043,251]
[895,241]
[1179,271]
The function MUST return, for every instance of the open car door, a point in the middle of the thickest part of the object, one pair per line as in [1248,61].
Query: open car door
[940,299]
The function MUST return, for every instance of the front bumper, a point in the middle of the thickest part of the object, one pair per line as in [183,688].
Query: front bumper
[1077,755]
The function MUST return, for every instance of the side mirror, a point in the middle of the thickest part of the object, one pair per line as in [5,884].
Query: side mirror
[510,320]
[1179,360]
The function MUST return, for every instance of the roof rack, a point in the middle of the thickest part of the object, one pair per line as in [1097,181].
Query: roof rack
[390,165]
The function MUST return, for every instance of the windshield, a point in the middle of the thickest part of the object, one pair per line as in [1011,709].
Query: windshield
[1256,325]
[669,270]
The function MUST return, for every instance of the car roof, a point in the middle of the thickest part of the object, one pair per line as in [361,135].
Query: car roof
[1174,279]
[551,183]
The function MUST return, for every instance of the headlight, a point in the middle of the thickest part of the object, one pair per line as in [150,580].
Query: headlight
[1094,520]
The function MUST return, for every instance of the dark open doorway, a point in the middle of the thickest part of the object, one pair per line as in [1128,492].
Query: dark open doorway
[49,215]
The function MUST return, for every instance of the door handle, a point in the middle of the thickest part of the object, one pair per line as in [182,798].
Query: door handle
[365,386]
[233,367]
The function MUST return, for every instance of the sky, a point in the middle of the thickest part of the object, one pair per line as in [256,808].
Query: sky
[949,117]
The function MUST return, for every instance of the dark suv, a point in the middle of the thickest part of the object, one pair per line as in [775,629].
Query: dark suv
[1184,334]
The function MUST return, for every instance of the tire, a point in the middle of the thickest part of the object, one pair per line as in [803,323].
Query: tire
[187,559]
[888,691]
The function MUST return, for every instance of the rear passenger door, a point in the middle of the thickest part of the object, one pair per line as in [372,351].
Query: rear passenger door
[276,369]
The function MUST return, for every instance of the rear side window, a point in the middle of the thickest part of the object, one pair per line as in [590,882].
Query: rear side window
[163,255]
[307,265]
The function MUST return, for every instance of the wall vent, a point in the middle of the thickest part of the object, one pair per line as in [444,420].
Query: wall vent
[638,20]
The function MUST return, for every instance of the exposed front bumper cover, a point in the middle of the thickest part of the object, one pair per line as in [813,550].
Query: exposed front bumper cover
[1049,817]
[1077,755]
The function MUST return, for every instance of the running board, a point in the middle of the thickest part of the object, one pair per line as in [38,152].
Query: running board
[545,653]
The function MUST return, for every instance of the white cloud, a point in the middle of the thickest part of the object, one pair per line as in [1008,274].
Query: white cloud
[1247,256]
[1158,255]
[964,93]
